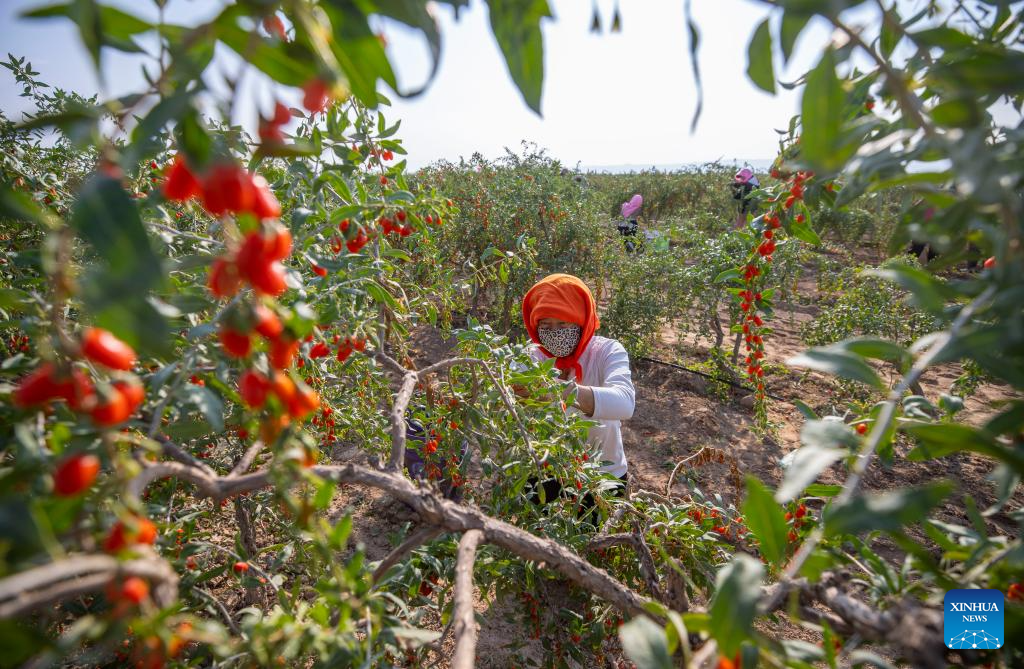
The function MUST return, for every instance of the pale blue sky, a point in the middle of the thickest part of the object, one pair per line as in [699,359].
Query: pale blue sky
[610,99]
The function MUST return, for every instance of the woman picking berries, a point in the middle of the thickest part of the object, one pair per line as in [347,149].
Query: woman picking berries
[560,315]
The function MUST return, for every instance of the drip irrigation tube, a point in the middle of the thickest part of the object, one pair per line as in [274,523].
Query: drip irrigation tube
[708,376]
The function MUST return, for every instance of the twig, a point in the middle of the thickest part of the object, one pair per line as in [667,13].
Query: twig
[881,426]
[250,455]
[647,568]
[682,463]
[172,450]
[464,615]
[414,541]
[220,607]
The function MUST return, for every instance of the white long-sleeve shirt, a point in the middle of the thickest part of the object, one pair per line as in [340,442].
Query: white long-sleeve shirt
[605,366]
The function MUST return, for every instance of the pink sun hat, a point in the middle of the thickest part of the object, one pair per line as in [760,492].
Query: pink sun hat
[743,176]
[633,206]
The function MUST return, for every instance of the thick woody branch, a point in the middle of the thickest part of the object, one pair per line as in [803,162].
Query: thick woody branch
[444,514]
[398,425]
[464,615]
[63,579]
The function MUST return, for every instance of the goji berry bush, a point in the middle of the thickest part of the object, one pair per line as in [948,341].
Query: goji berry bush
[211,336]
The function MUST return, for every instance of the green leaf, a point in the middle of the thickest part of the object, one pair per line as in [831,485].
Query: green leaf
[793,24]
[805,467]
[734,605]
[943,37]
[888,512]
[287,63]
[86,16]
[727,275]
[759,59]
[694,33]
[836,361]
[821,115]
[415,634]
[147,138]
[675,631]
[516,27]
[937,440]
[927,291]
[805,232]
[381,296]
[877,348]
[957,113]
[128,268]
[415,15]
[645,643]
[823,490]
[765,519]
[807,411]
[20,641]
[358,51]
[208,404]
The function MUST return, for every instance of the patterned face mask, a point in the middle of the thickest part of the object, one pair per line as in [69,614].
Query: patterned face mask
[560,342]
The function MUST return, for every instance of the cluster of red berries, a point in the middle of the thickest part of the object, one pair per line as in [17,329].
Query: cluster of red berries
[796,517]
[256,262]
[107,405]
[270,129]
[398,225]
[16,344]
[225,187]
[298,399]
[1015,593]
[137,531]
[356,239]
[385,155]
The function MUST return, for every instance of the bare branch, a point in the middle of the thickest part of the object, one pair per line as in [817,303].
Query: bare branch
[464,616]
[647,568]
[434,510]
[415,540]
[251,453]
[172,450]
[220,607]
[70,577]
[398,425]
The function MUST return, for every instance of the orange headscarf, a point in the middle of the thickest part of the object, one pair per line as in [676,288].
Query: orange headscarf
[566,298]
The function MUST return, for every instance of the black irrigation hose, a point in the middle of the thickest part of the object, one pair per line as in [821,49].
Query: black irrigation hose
[713,378]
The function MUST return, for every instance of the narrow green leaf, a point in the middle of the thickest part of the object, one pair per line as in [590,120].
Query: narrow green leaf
[806,465]
[208,404]
[793,23]
[821,115]
[734,605]
[759,59]
[888,512]
[516,27]
[765,519]
[645,643]
[838,362]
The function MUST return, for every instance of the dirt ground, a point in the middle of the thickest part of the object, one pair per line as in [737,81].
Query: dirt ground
[675,417]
